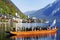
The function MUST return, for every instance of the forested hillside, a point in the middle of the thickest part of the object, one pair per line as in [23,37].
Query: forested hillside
[7,7]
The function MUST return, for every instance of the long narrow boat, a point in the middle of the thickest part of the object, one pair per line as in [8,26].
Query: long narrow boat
[41,32]
[26,36]
[36,32]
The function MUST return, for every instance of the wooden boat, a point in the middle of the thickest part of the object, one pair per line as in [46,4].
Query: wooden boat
[35,32]
[43,35]
[41,32]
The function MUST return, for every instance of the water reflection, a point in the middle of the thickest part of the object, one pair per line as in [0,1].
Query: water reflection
[35,37]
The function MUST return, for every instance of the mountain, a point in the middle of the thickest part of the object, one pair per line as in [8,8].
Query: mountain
[7,7]
[29,12]
[51,11]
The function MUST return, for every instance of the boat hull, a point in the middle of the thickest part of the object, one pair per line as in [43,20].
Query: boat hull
[26,36]
[27,33]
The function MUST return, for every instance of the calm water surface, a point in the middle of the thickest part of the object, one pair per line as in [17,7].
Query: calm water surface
[55,36]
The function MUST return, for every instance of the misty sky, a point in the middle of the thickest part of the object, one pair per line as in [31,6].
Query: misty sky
[29,5]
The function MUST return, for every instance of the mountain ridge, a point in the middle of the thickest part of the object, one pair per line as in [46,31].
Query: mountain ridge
[51,11]
[7,7]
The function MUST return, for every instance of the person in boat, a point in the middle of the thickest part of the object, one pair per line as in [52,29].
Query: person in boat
[13,29]
[44,28]
[35,28]
[28,29]
[49,27]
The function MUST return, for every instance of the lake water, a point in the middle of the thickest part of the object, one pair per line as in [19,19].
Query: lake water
[55,36]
